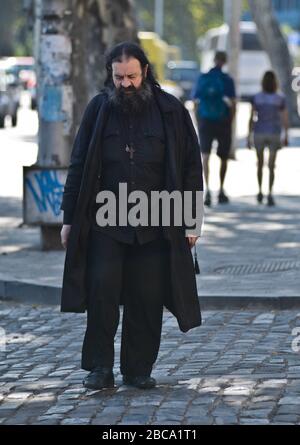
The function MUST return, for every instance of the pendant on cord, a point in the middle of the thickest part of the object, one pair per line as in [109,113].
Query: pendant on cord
[130,150]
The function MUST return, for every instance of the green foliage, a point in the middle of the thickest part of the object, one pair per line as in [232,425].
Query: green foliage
[184,22]
[206,14]
[15,38]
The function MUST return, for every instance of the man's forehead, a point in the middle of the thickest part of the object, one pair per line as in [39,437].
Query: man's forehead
[127,66]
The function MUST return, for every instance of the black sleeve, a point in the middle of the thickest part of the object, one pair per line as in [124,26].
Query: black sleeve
[78,155]
[192,173]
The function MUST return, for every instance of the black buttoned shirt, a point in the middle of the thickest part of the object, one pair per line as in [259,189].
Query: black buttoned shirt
[133,152]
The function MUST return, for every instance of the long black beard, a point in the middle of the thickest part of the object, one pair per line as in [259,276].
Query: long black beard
[130,103]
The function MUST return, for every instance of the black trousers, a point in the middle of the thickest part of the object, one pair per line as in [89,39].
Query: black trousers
[139,274]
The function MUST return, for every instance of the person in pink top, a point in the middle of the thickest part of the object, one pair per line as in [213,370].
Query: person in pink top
[268,127]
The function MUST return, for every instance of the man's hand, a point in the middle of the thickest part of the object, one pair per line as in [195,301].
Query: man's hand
[64,234]
[192,239]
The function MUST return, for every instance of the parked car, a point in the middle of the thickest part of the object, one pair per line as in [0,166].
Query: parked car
[23,68]
[9,97]
[184,73]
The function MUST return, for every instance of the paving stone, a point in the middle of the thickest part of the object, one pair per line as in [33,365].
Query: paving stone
[18,396]
[288,409]
[256,414]
[226,420]
[59,409]
[289,401]
[254,421]
[198,420]
[290,418]
[75,421]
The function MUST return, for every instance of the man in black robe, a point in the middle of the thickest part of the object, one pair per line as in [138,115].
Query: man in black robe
[124,262]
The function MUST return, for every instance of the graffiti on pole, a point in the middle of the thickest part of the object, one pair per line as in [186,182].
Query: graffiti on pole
[43,190]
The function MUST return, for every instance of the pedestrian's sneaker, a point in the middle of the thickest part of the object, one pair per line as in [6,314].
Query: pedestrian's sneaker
[142,382]
[271,201]
[99,378]
[223,199]
[260,198]
[207,200]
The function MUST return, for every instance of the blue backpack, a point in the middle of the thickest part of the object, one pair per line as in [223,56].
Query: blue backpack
[211,93]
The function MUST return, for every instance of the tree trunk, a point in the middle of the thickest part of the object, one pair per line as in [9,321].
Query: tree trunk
[8,18]
[273,41]
[97,26]
[232,16]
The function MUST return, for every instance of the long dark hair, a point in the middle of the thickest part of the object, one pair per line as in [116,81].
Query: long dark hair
[269,82]
[128,49]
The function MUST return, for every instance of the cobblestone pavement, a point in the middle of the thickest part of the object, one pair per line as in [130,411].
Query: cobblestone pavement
[239,367]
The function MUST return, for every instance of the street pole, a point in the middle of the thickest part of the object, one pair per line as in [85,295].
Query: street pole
[55,100]
[159,17]
[54,64]
[36,39]
[44,180]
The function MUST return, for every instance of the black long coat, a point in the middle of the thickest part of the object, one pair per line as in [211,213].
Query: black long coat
[183,172]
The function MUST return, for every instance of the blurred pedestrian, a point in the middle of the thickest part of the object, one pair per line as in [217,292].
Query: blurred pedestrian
[269,118]
[215,98]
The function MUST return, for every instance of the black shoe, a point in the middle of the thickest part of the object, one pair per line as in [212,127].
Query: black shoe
[223,199]
[142,382]
[99,378]
[271,201]
[207,200]
[260,198]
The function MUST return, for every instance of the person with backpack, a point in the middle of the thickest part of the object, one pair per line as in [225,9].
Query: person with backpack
[215,98]
[269,116]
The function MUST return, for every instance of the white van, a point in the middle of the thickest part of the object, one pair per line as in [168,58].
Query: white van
[253,63]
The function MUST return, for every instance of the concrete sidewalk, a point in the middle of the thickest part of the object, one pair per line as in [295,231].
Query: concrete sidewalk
[248,254]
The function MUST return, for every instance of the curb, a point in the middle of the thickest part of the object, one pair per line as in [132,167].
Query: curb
[252,302]
[26,292]
[33,293]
